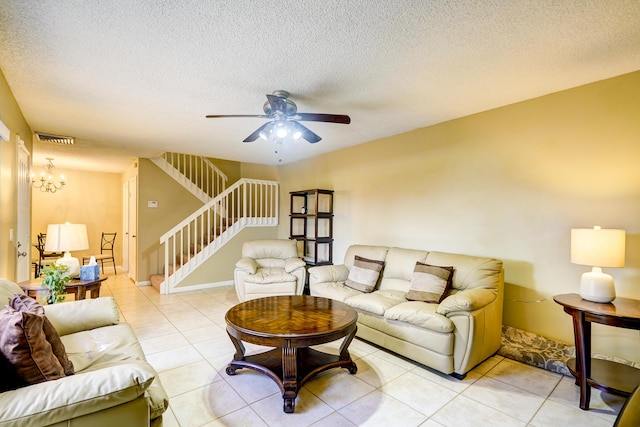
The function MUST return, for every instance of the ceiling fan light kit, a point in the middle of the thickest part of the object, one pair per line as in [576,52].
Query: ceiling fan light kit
[285,120]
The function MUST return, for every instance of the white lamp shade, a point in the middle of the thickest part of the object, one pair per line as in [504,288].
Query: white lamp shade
[598,247]
[66,237]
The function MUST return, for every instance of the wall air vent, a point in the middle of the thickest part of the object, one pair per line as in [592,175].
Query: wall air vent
[55,139]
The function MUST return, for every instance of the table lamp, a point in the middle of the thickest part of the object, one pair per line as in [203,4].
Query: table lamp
[66,238]
[598,248]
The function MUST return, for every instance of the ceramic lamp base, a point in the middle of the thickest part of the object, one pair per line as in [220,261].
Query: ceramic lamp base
[597,286]
[72,263]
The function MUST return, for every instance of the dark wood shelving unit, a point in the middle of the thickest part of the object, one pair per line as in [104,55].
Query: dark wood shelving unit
[311,224]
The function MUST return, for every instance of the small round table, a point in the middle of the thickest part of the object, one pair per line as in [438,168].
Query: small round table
[291,324]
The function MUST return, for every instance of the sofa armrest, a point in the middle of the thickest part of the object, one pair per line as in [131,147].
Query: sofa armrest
[69,397]
[328,273]
[292,264]
[467,300]
[82,315]
[248,265]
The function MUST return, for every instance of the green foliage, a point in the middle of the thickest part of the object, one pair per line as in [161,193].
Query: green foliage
[55,280]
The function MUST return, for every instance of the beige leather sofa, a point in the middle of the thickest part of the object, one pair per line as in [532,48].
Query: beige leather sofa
[113,385]
[453,336]
[268,268]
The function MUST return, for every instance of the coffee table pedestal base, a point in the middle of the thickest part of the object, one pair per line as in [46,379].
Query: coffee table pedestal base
[291,367]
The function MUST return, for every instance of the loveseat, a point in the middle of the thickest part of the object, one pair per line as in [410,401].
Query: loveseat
[112,384]
[269,267]
[456,332]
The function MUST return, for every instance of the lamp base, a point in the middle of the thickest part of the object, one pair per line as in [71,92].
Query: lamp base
[597,286]
[72,263]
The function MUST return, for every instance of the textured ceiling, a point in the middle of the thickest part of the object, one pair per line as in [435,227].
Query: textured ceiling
[134,78]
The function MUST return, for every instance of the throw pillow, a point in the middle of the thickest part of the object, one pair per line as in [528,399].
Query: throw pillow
[430,283]
[364,274]
[22,302]
[9,379]
[24,344]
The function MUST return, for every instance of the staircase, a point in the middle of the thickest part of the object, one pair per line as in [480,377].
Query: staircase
[197,174]
[247,203]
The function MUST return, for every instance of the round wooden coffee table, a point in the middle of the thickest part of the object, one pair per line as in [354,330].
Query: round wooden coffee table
[291,324]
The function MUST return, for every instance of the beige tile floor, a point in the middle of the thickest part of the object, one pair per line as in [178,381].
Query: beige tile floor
[183,336]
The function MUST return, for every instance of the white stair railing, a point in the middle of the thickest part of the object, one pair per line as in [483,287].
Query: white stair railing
[197,174]
[247,203]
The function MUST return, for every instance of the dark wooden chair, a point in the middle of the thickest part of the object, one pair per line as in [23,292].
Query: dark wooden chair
[44,257]
[106,252]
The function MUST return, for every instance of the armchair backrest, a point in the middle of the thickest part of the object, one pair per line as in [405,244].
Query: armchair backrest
[270,249]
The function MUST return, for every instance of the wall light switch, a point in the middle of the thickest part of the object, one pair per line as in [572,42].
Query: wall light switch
[152,203]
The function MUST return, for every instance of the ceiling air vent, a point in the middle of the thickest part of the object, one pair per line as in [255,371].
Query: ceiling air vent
[55,139]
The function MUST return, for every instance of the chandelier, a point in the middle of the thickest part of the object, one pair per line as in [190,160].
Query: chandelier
[46,184]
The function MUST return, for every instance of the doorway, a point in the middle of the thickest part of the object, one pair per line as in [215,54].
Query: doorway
[23,238]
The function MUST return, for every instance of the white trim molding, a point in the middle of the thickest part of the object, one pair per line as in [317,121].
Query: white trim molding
[5,133]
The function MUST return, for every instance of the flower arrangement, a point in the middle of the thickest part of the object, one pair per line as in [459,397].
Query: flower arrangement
[55,280]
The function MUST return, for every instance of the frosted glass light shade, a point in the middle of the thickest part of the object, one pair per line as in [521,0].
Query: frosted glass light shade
[598,248]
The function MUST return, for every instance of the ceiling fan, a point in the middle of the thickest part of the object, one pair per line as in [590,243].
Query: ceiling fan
[285,119]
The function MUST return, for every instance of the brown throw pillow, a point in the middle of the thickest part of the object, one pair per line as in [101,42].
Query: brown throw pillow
[430,283]
[364,274]
[22,302]
[24,345]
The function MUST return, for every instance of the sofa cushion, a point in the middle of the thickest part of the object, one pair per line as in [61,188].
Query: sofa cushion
[7,290]
[95,349]
[22,302]
[430,283]
[76,316]
[400,262]
[333,290]
[364,274]
[270,275]
[420,314]
[54,402]
[276,248]
[258,290]
[365,251]
[376,302]
[24,344]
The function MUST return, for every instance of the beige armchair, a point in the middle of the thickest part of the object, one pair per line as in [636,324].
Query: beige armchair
[268,268]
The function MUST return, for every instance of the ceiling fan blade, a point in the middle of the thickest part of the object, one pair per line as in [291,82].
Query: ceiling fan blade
[277,103]
[256,134]
[318,117]
[306,132]
[218,116]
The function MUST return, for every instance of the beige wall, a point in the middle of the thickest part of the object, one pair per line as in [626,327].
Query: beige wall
[508,183]
[174,204]
[11,116]
[91,198]
[219,268]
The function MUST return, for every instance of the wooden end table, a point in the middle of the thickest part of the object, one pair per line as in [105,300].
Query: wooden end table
[605,375]
[76,287]
[291,324]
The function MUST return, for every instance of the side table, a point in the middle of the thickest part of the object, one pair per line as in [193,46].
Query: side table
[76,287]
[605,375]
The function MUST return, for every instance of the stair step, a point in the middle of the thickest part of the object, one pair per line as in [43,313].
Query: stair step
[156,280]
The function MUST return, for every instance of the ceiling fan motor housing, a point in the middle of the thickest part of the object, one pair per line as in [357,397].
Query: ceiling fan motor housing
[288,108]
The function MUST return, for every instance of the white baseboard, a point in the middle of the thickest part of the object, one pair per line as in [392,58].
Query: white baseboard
[202,286]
